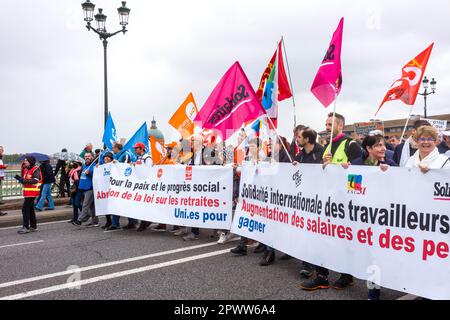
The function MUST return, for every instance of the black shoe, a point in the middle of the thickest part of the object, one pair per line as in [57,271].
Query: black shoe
[267,259]
[76,223]
[106,226]
[112,228]
[285,257]
[2,214]
[260,248]
[307,270]
[143,226]
[239,250]
[343,282]
[129,227]
[315,284]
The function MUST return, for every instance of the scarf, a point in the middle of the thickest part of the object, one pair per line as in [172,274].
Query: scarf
[73,174]
[433,161]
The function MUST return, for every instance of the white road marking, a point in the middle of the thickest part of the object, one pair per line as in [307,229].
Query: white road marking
[20,244]
[408,297]
[104,265]
[39,224]
[110,276]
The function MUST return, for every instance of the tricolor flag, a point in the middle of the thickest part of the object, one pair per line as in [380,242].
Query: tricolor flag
[328,82]
[407,88]
[232,103]
[274,85]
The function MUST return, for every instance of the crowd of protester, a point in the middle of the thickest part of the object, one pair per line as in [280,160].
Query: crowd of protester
[425,149]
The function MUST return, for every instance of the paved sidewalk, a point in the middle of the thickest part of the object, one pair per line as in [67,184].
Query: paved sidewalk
[14,217]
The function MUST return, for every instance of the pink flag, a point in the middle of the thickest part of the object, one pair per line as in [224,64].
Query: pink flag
[232,103]
[328,81]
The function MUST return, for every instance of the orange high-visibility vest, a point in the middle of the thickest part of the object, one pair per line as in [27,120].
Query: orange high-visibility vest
[31,190]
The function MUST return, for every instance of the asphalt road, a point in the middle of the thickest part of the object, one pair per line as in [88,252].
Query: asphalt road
[149,265]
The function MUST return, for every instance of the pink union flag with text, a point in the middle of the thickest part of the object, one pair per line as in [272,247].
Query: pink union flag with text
[328,81]
[232,103]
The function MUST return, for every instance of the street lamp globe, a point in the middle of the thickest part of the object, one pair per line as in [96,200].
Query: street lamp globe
[433,85]
[124,13]
[88,10]
[101,20]
[425,83]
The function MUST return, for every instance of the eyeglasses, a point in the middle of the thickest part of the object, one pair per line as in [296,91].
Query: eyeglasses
[426,139]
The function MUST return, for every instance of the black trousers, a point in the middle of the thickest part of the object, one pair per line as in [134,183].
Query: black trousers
[28,213]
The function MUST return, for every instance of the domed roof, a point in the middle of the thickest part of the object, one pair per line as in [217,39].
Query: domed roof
[155,132]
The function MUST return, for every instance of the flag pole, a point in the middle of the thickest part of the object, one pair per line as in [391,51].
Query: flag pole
[281,141]
[334,117]
[406,124]
[290,81]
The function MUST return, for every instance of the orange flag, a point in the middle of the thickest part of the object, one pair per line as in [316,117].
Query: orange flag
[158,151]
[183,119]
[407,88]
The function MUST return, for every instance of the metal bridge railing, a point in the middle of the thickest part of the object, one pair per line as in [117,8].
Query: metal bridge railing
[11,189]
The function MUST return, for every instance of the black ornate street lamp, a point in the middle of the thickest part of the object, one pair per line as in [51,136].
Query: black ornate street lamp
[100,18]
[426,85]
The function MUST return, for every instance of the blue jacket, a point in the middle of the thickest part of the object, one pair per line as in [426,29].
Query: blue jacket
[86,179]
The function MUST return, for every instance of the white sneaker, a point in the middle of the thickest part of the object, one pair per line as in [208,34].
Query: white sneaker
[224,237]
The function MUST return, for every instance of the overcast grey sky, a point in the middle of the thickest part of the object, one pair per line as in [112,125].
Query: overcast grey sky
[52,67]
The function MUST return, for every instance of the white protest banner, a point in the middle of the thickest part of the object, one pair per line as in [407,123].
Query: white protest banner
[391,228]
[100,182]
[440,125]
[177,195]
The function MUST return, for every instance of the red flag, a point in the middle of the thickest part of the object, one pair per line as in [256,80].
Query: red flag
[407,88]
[284,90]
[328,82]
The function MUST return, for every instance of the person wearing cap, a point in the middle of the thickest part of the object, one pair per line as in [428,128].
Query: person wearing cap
[444,146]
[143,159]
[31,179]
[143,156]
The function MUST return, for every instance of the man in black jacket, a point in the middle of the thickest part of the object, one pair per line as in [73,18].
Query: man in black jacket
[48,178]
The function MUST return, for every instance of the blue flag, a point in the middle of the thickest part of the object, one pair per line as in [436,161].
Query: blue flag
[110,135]
[140,136]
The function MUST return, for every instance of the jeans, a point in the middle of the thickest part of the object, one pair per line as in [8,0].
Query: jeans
[76,204]
[46,194]
[28,214]
[116,221]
